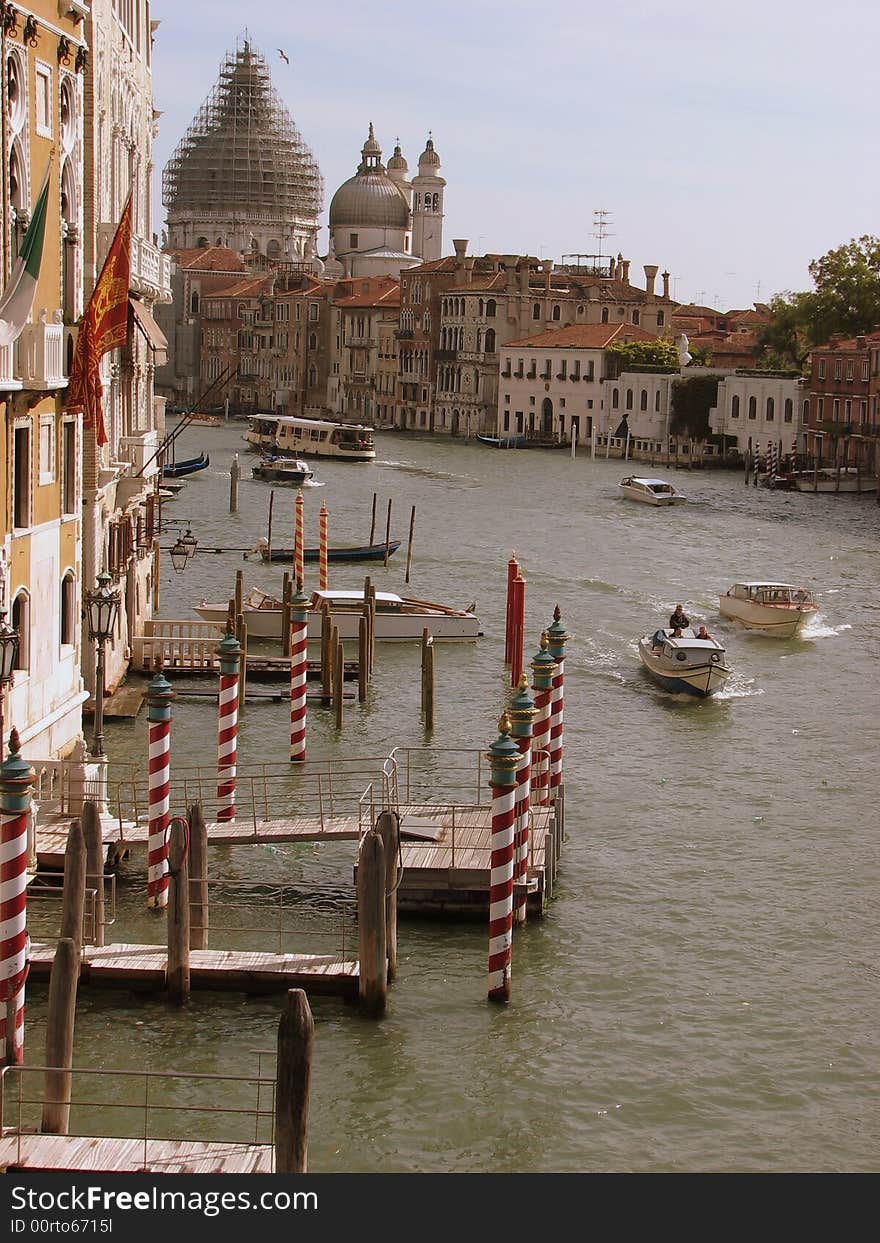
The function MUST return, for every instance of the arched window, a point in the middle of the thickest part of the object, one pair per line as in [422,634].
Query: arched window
[435,202]
[490,309]
[635,317]
[580,310]
[734,407]
[643,400]
[194,302]
[604,314]
[202,243]
[770,409]
[629,399]
[556,311]
[313,340]
[21,621]
[490,341]
[481,307]
[657,400]
[68,609]
[753,407]
[615,398]
[479,342]
[313,376]
[536,310]
[661,319]
[788,414]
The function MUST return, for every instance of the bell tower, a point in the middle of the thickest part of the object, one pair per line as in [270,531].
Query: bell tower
[427,205]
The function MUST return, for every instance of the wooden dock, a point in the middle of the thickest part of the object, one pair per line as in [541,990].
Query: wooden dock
[132,1156]
[144,968]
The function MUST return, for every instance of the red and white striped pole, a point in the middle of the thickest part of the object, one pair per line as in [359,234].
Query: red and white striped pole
[543,669]
[229,651]
[16,784]
[299,632]
[512,571]
[557,640]
[159,696]
[299,550]
[518,629]
[522,713]
[322,548]
[504,759]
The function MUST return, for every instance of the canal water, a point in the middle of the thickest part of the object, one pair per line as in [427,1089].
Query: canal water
[702,993]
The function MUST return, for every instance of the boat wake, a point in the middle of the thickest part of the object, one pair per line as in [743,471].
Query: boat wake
[739,687]
[816,629]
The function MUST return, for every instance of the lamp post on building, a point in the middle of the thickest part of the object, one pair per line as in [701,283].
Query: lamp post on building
[182,551]
[9,641]
[102,604]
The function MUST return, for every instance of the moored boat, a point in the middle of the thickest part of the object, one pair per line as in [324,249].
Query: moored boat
[397,617]
[846,479]
[282,470]
[360,552]
[778,609]
[511,441]
[684,663]
[176,470]
[650,491]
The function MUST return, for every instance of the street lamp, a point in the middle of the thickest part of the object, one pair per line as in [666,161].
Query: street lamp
[103,606]
[182,551]
[8,662]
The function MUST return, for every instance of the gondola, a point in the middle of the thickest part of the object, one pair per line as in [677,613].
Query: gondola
[364,552]
[175,470]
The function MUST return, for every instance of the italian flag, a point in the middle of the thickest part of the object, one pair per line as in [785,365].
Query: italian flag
[18,296]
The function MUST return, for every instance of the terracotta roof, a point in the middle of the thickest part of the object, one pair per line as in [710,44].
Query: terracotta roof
[209,259]
[380,291]
[693,325]
[839,345]
[690,308]
[747,317]
[583,336]
[250,288]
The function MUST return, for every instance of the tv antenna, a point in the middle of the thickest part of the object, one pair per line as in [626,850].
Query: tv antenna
[600,227]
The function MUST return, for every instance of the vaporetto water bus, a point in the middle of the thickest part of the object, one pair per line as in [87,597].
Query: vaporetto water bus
[295,437]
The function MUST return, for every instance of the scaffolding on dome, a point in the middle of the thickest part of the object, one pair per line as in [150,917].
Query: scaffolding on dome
[243,152]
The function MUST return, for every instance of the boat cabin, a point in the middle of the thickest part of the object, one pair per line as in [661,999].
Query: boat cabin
[781,594]
[386,601]
[686,647]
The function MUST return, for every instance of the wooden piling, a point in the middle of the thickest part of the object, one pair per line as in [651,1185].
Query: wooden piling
[412,524]
[372,630]
[269,524]
[156,567]
[373,521]
[387,531]
[363,623]
[338,679]
[242,671]
[91,831]
[296,1036]
[372,953]
[326,667]
[234,476]
[239,592]
[198,878]
[74,892]
[428,679]
[286,597]
[178,912]
[388,826]
[60,1018]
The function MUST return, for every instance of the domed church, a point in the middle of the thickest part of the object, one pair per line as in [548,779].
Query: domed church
[380,222]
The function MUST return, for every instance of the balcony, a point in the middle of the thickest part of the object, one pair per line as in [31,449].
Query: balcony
[7,368]
[138,449]
[505,374]
[150,268]
[41,354]
[445,356]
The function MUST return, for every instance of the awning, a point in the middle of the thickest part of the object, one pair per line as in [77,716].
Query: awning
[153,334]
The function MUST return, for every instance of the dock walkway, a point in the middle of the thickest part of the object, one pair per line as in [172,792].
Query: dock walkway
[132,1156]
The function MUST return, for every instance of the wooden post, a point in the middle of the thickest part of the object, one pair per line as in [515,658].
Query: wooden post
[156,566]
[387,531]
[242,672]
[372,629]
[286,597]
[512,571]
[296,1036]
[373,981]
[91,831]
[269,525]
[326,671]
[388,825]
[373,520]
[239,592]
[362,659]
[338,679]
[178,913]
[428,679]
[198,878]
[412,523]
[74,892]
[234,475]
[60,1017]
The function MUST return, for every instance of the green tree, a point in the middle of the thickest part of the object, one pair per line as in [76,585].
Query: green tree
[693,396]
[658,353]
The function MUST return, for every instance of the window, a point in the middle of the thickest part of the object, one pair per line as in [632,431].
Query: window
[490,341]
[194,303]
[536,311]
[313,312]
[635,317]
[657,400]
[591,370]
[770,409]
[643,401]
[43,98]
[615,398]
[838,369]
[490,309]
[21,621]
[47,448]
[68,467]
[604,314]
[556,311]
[753,407]
[865,369]
[353,241]
[21,478]
[788,414]
[849,368]
[661,319]
[734,407]
[629,399]
[821,368]
[68,610]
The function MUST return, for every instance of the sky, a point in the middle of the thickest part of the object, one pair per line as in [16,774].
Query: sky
[730,145]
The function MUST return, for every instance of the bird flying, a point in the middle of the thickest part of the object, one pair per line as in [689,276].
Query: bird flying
[283,56]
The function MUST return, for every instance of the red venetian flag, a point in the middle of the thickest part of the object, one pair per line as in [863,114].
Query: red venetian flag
[103,327]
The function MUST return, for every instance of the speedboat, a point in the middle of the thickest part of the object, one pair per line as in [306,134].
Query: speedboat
[651,491]
[282,470]
[396,616]
[773,608]
[684,663]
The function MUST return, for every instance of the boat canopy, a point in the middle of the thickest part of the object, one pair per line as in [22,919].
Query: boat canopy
[357,597]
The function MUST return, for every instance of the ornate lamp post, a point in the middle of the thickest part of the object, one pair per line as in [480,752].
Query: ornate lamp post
[182,551]
[8,662]
[103,606]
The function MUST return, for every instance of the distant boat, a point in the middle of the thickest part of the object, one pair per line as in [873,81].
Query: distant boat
[282,470]
[514,441]
[175,470]
[847,479]
[774,608]
[362,552]
[651,491]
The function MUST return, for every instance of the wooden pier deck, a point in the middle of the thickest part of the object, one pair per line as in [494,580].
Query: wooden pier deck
[129,1156]
[144,968]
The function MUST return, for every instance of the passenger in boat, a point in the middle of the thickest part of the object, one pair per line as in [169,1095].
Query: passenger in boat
[679,618]
[676,634]
[703,633]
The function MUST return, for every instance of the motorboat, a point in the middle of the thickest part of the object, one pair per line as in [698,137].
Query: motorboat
[650,491]
[397,617]
[176,470]
[357,552]
[684,663]
[844,479]
[774,608]
[282,470]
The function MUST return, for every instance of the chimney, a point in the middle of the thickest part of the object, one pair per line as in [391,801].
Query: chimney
[469,269]
[522,268]
[625,277]
[460,252]
[618,267]
[510,272]
[547,268]
[651,270]
[666,285]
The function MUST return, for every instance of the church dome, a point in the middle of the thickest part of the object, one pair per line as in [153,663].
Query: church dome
[370,198]
[397,161]
[429,155]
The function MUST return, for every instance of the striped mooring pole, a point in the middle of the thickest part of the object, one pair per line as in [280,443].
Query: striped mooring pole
[518,587]
[299,550]
[543,669]
[558,638]
[512,571]
[522,713]
[229,651]
[16,784]
[504,759]
[322,547]
[159,696]
[299,630]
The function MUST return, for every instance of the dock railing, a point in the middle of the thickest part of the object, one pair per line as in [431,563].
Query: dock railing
[44,897]
[145,1106]
[284,919]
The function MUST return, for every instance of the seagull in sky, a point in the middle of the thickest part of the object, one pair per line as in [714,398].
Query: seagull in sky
[283,56]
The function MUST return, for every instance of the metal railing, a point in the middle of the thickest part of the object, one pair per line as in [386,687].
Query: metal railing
[44,897]
[291,914]
[140,1112]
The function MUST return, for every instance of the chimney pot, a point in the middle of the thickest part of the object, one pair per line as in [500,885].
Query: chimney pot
[651,270]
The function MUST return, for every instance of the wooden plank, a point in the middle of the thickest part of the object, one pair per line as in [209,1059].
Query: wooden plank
[114,1155]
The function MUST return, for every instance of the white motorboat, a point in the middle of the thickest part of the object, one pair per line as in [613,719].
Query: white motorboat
[397,617]
[846,479]
[774,608]
[282,470]
[650,491]
[684,663]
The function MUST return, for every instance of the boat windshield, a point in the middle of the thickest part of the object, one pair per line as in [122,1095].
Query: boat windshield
[349,438]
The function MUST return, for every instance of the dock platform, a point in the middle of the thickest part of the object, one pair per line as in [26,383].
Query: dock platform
[132,1156]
